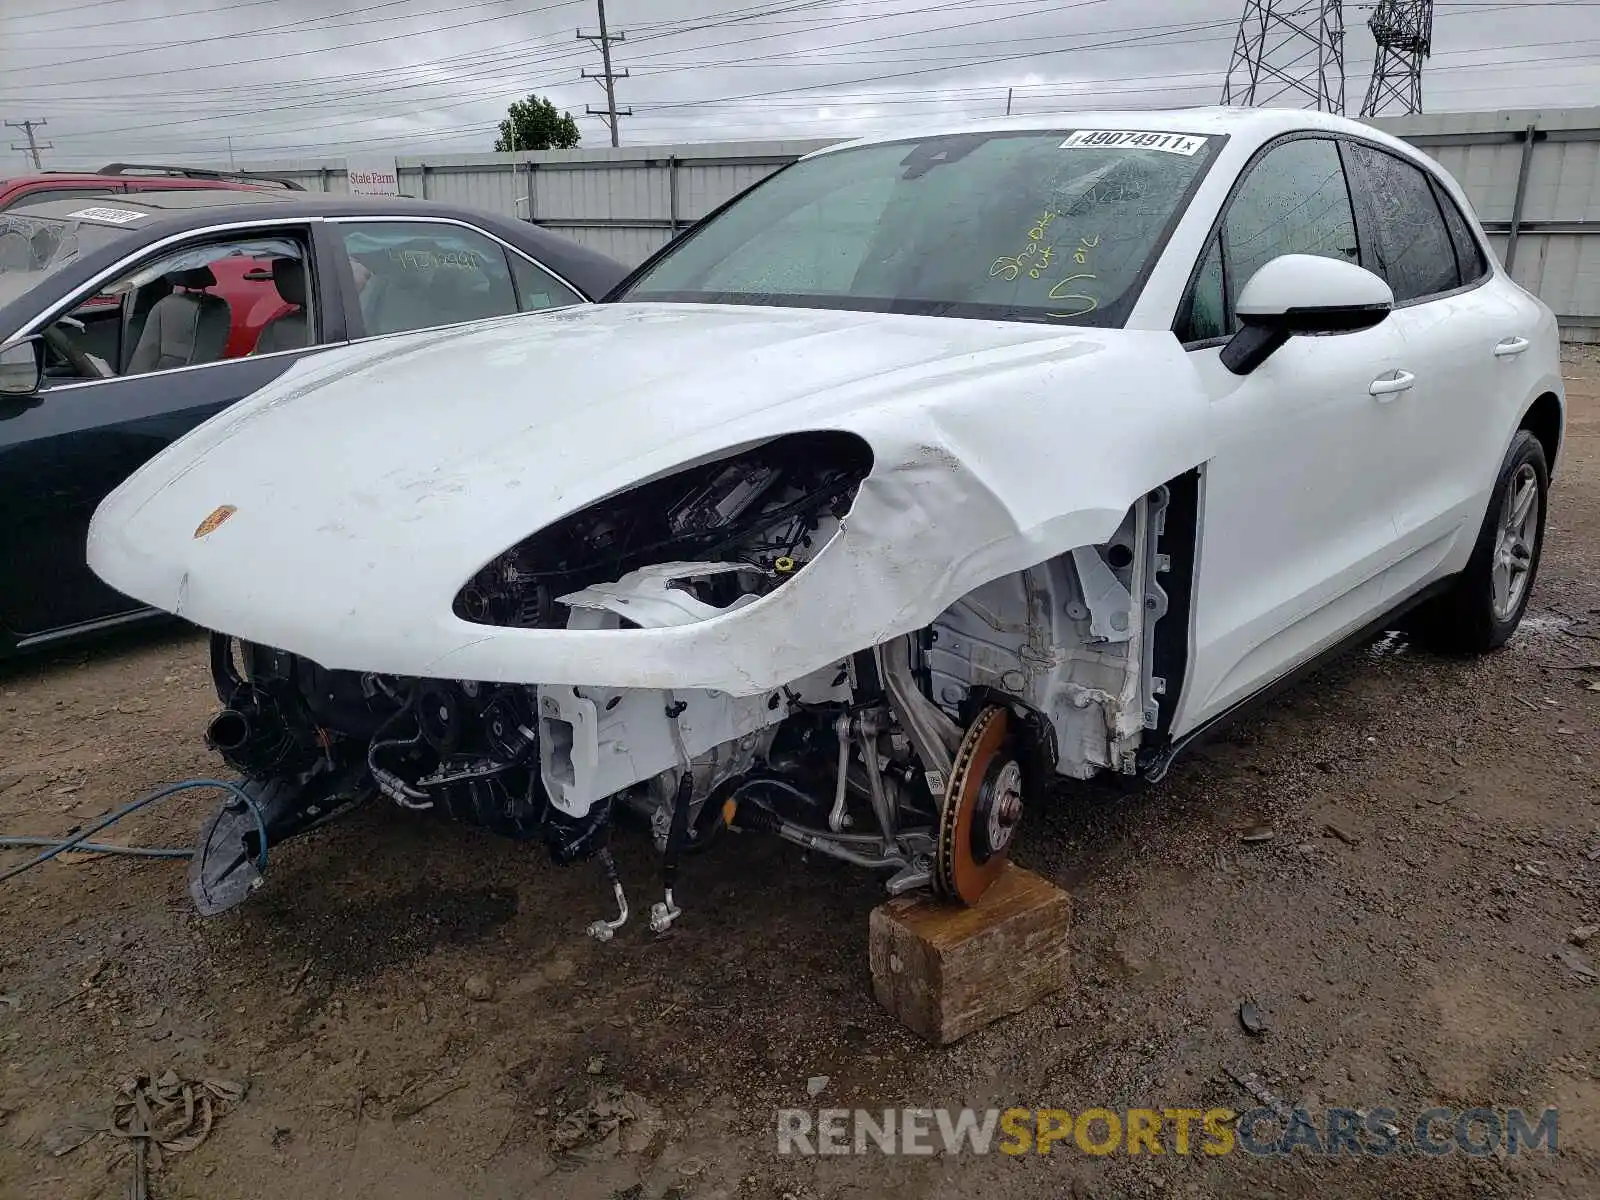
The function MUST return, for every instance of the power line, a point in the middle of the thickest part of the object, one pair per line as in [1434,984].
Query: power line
[316,24]
[607,77]
[33,147]
[749,17]
[736,17]
[522,61]
[301,54]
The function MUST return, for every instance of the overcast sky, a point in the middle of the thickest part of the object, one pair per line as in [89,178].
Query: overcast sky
[174,80]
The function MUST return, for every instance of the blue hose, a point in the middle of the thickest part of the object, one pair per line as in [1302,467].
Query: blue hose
[172,789]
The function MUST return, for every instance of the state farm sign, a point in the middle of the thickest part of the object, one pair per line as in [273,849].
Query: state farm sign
[373,177]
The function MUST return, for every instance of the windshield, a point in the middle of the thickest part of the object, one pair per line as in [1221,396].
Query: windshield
[34,248]
[1057,227]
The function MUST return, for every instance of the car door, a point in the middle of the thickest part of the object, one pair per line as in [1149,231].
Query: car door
[410,273]
[122,383]
[1462,338]
[1297,527]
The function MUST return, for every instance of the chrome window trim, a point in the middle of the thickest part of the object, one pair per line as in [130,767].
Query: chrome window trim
[401,333]
[74,385]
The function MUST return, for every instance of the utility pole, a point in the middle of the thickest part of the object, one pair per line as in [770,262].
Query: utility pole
[1008,100]
[607,77]
[1403,30]
[33,147]
[1287,48]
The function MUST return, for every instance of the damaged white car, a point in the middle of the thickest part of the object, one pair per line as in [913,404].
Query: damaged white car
[930,470]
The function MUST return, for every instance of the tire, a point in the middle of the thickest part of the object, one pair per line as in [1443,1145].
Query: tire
[1485,604]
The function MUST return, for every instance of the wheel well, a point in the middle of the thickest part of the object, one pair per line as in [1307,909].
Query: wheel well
[1179,541]
[1543,420]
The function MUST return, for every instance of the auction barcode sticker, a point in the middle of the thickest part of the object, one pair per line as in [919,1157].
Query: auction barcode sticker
[1134,139]
[112,216]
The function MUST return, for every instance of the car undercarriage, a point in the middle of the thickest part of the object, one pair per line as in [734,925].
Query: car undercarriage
[916,757]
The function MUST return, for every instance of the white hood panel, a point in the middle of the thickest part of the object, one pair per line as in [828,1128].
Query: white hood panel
[371,482]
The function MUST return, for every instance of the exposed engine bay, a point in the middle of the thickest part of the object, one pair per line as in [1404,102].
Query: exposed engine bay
[916,757]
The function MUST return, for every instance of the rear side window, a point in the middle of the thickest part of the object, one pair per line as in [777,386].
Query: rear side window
[1469,253]
[537,288]
[1412,249]
[420,274]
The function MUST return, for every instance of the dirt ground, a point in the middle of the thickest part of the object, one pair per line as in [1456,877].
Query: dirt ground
[1412,959]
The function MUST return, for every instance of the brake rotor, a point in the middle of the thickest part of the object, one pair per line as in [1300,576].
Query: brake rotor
[981,808]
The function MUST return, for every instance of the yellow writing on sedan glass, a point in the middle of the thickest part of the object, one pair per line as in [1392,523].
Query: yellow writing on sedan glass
[1089,302]
[1033,259]
[1036,234]
[1081,254]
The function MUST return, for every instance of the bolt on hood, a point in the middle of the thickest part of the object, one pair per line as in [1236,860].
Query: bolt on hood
[369,483]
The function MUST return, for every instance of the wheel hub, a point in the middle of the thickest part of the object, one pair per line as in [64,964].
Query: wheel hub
[1513,552]
[982,806]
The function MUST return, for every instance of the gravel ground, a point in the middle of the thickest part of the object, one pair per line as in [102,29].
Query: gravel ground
[1405,933]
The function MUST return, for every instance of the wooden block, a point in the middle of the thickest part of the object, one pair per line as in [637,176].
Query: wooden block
[946,970]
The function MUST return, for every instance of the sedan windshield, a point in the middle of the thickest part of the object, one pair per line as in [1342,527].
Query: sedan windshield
[34,248]
[1059,227]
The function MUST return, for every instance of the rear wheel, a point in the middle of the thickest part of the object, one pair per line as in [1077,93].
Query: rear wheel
[1485,604]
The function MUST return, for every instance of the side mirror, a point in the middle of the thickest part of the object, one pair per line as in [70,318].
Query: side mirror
[1303,295]
[21,368]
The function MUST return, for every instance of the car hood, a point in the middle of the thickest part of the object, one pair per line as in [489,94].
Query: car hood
[399,467]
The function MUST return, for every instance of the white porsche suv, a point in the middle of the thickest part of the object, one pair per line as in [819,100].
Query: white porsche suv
[931,469]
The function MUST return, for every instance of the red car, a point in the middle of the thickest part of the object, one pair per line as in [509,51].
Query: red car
[115,178]
[246,285]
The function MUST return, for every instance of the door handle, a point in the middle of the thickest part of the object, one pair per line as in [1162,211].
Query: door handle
[1511,346]
[1392,384]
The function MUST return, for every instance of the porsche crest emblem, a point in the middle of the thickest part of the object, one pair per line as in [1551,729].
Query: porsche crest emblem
[216,517]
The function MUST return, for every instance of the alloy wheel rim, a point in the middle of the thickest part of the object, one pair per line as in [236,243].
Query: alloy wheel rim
[1513,549]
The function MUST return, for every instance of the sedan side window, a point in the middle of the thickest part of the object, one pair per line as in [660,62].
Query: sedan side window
[1294,201]
[1414,251]
[206,302]
[537,288]
[421,274]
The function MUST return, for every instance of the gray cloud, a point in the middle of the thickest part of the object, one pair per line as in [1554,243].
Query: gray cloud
[175,80]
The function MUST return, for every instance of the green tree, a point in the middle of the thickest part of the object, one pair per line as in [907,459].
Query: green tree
[534,124]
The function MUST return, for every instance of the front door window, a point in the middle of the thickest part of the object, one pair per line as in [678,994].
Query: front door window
[207,302]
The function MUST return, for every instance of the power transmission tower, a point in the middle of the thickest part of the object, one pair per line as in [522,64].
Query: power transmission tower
[1288,48]
[1403,30]
[607,77]
[33,147]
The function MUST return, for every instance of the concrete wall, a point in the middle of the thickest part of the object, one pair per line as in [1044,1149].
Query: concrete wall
[1533,176]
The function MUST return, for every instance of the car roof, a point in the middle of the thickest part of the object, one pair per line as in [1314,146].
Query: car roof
[205,206]
[1249,124]
[119,178]
[151,204]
